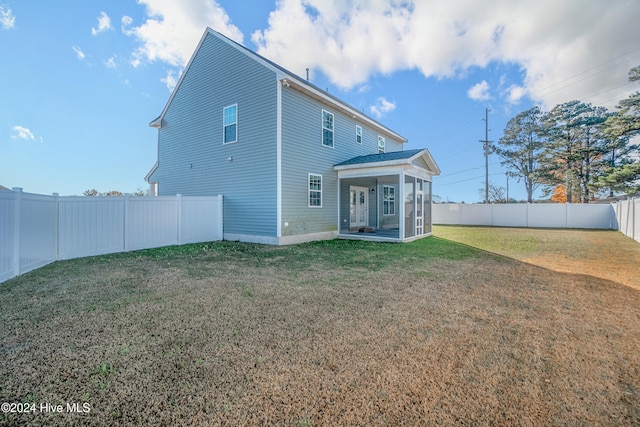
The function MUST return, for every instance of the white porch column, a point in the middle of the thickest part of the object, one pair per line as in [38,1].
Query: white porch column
[339,183]
[401,203]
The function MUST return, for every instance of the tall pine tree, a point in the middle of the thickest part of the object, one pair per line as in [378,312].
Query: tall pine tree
[561,127]
[575,153]
[623,174]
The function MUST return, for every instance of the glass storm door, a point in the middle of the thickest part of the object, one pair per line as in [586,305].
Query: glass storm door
[359,198]
[419,209]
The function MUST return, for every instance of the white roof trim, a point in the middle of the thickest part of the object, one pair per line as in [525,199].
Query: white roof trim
[153,169]
[157,123]
[424,154]
[428,159]
[367,172]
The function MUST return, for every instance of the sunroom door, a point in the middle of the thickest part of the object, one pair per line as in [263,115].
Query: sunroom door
[359,200]
[419,209]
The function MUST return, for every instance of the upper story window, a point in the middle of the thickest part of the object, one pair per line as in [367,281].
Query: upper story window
[381,143]
[327,129]
[230,124]
[359,134]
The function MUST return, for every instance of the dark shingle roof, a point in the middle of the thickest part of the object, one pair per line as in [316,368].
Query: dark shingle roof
[382,157]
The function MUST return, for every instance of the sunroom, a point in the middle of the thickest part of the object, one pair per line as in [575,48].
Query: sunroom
[387,196]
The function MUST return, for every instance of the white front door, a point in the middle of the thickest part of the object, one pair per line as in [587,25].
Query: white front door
[359,201]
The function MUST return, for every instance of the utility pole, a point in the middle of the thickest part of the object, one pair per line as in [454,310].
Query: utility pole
[486,155]
[507,174]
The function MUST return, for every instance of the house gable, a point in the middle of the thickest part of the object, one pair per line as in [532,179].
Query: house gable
[193,158]
[419,159]
[288,79]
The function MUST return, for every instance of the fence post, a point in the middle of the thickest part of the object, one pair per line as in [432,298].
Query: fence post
[57,224]
[619,215]
[125,222]
[179,218]
[626,222]
[492,215]
[633,221]
[17,212]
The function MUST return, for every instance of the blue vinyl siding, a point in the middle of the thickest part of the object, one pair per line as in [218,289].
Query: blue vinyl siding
[192,159]
[303,153]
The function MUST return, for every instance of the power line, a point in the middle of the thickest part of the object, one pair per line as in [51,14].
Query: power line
[590,73]
[610,90]
[464,170]
[552,88]
[468,179]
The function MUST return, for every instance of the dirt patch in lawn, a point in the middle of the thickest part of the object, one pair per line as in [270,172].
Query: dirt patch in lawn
[330,333]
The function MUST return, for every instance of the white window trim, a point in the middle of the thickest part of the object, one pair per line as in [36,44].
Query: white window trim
[224,126]
[389,200]
[384,143]
[309,190]
[333,131]
[358,128]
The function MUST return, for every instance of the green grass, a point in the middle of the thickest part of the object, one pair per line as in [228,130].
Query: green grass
[203,259]
[323,333]
[520,243]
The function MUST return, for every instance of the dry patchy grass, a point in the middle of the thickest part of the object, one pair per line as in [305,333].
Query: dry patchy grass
[601,253]
[331,333]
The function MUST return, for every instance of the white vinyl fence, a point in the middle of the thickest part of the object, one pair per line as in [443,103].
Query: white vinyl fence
[547,215]
[628,216]
[37,229]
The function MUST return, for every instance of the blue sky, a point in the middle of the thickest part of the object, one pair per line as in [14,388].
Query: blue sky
[80,81]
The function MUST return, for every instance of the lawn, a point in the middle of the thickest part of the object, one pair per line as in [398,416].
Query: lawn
[469,327]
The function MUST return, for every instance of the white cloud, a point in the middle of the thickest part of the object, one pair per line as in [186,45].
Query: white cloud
[126,22]
[381,107]
[172,29]
[111,62]
[79,53]
[171,80]
[479,91]
[515,93]
[104,24]
[364,88]
[22,133]
[7,18]
[566,50]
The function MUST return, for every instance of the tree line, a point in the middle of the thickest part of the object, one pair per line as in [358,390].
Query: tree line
[94,193]
[575,152]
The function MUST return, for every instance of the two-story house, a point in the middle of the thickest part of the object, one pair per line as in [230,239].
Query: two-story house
[292,162]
